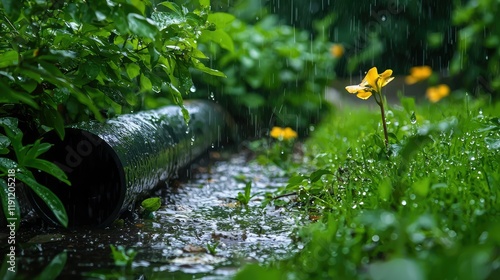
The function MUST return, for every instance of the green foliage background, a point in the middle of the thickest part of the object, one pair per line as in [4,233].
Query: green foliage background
[64,62]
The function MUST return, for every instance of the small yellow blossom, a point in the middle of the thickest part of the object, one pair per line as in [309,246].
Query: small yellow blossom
[434,94]
[418,74]
[337,50]
[283,133]
[373,82]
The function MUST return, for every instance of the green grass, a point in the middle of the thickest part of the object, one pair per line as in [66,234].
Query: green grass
[429,210]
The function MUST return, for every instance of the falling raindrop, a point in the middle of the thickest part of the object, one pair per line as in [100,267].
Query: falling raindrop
[192,89]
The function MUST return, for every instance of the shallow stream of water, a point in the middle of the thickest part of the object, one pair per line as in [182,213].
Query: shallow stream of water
[196,212]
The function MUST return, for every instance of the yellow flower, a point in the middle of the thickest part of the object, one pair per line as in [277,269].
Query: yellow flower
[283,133]
[373,82]
[418,74]
[337,50]
[434,94]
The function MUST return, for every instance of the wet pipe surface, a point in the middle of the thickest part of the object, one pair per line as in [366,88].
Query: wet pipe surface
[197,210]
[114,164]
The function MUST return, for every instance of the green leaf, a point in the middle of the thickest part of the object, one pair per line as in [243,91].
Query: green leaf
[172,6]
[52,118]
[151,204]
[10,96]
[4,141]
[220,20]
[316,175]
[200,66]
[54,268]
[10,205]
[295,180]
[146,84]
[205,3]
[219,37]
[10,126]
[6,164]
[9,58]
[47,196]
[142,26]
[133,70]
[48,167]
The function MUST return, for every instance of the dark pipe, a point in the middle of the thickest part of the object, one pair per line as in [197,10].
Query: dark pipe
[115,163]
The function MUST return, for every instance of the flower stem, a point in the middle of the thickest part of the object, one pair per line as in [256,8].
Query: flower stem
[384,124]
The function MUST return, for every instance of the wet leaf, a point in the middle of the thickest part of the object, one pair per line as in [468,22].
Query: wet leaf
[47,196]
[142,26]
[10,205]
[316,175]
[9,58]
[45,238]
[151,204]
[54,268]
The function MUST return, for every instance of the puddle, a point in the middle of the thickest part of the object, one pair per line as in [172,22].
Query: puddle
[198,215]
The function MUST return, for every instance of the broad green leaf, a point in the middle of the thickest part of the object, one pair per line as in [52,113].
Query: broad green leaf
[316,175]
[146,84]
[164,20]
[10,204]
[295,180]
[205,3]
[10,96]
[9,58]
[142,26]
[48,167]
[47,196]
[219,37]
[151,204]
[54,268]
[6,164]
[4,141]
[133,70]
[172,6]
[52,118]
[10,126]
[220,20]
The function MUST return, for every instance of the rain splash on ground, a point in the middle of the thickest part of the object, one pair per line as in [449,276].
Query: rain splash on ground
[196,213]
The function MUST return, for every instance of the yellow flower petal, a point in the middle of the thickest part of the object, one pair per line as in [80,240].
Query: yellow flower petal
[355,88]
[434,94]
[371,78]
[289,133]
[418,73]
[283,133]
[386,81]
[364,94]
[386,74]
[276,132]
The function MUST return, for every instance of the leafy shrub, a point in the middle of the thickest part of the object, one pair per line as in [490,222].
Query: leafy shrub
[477,58]
[63,62]
[276,74]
